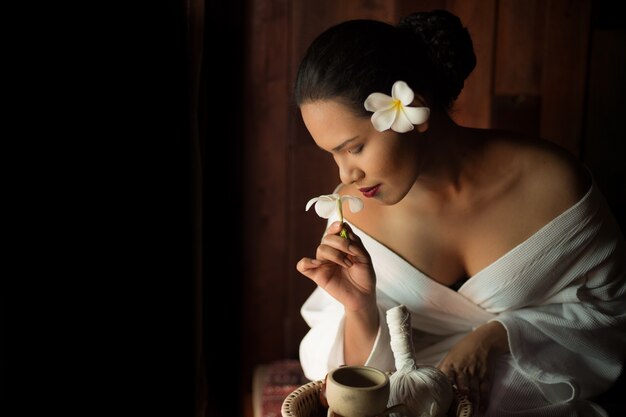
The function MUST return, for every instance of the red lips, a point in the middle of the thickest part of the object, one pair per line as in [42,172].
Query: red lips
[370,191]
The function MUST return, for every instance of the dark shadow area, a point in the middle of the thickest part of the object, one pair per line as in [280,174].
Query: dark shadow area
[222,130]
[613,400]
[603,148]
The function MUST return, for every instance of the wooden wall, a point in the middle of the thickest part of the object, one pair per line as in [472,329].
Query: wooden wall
[544,67]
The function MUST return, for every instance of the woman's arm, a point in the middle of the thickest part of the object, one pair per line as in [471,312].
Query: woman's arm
[360,331]
[343,268]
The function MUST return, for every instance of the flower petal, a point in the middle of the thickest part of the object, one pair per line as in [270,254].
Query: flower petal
[401,91]
[325,208]
[417,115]
[402,123]
[378,101]
[310,203]
[329,197]
[383,119]
[355,203]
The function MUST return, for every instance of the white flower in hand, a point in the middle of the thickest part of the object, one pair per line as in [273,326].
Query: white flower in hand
[326,204]
[393,112]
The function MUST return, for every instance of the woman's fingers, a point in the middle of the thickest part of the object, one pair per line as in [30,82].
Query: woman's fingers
[306,264]
[356,247]
[314,269]
[335,228]
[351,246]
[335,249]
[329,251]
[462,383]
[336,242]
[472,386]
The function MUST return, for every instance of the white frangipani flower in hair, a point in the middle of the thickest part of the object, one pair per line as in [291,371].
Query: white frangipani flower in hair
[393,112]
[326,204]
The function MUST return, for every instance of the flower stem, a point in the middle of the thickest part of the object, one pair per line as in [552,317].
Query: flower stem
[343,233]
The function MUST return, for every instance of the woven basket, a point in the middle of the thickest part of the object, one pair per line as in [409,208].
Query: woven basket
[305,402]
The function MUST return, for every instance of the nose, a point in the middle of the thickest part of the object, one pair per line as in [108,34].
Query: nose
[350,174]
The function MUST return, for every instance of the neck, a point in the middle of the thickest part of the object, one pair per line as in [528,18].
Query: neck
[446,155]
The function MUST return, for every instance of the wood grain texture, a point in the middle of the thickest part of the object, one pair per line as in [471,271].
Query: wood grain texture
[565,53]
[473,107]
[265,185]
[519,51]
[516,103]
[518,113]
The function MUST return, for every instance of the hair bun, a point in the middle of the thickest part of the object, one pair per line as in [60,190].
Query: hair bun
[449,45]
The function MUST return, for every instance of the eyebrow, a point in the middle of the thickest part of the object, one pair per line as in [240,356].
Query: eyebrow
[340,147]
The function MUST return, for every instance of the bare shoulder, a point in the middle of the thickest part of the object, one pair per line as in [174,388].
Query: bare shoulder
[368,215]
[551,177]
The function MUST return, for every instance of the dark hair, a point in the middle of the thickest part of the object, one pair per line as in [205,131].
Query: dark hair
[431,51]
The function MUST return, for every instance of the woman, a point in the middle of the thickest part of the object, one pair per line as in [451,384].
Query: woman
[500,245]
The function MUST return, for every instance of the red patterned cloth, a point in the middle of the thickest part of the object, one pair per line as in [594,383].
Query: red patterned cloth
[273,383]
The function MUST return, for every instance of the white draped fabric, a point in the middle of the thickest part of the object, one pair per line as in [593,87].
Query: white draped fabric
[561,295]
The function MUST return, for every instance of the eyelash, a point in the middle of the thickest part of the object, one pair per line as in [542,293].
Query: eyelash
[357,150]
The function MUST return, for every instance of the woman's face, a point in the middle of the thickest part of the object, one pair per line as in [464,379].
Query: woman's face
[382,165]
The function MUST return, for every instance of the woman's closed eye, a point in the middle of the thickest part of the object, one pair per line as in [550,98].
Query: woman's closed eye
[356,150]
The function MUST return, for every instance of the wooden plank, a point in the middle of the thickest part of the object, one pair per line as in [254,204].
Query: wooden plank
[517,74]
[314,173]
[308,20]
[518,47]
[366,9]
[519,113]
[604,145]
[265,185]
[473,107]
[566,43]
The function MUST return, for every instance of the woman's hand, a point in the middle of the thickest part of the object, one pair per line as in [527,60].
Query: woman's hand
[343,268]
[467,363]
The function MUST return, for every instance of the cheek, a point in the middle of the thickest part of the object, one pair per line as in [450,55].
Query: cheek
[394,161]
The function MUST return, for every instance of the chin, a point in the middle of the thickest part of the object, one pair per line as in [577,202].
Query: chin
[386,200]
[395,199]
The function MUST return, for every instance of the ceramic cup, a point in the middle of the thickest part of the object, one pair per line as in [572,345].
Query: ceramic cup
[358,391]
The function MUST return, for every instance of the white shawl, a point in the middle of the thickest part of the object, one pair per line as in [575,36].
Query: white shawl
[561,295]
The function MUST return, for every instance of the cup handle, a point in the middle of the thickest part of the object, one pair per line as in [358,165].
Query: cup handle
[398,408]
